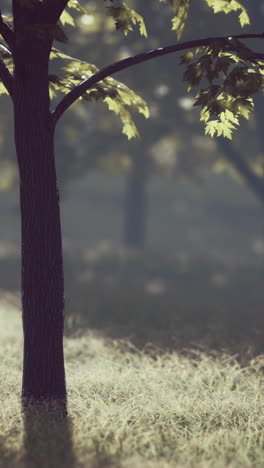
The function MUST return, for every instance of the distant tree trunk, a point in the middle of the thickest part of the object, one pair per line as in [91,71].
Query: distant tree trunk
[42,268]
[136,203]
[255,182]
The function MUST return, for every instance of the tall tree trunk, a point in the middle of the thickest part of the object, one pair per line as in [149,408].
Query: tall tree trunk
[135,204]
[42,267]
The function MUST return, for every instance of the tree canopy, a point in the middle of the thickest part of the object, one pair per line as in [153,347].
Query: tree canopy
[226,72]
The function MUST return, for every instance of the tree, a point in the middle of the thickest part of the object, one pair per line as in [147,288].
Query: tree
[135,208]
[171,130]
[24,71]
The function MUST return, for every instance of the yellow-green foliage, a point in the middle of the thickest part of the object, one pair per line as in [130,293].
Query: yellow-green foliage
[181,9]
[242,78]
[230,70]
[130,408]
[117,96]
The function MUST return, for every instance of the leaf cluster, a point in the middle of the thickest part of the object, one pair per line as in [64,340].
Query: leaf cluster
[231,74]
[228,69]
[118,97]
[125,17]
[181,10]
[229,6]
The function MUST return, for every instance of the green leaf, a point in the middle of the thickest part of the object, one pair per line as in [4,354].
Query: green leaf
[233,75]
[211,128]
[244,18]
[180,9]
[3,89]
[125,17]
[129,128]
[229,6]
[66,18]
[118,97]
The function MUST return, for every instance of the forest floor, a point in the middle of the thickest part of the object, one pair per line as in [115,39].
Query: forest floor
[135,408]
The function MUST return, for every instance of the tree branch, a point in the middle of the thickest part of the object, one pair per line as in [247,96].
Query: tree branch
[8,35]
[80,89]
[6,77]
[6,32]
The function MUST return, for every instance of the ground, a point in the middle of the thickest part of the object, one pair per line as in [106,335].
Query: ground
[135,407]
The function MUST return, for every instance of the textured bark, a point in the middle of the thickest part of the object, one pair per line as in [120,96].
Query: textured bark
[135,204]
[42,268]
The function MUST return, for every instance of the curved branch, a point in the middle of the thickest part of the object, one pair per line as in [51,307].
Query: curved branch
[80,89]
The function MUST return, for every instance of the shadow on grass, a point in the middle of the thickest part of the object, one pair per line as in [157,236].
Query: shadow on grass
[8,458]
[47,438]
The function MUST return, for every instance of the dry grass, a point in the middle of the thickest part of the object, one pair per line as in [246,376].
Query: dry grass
[131,408]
